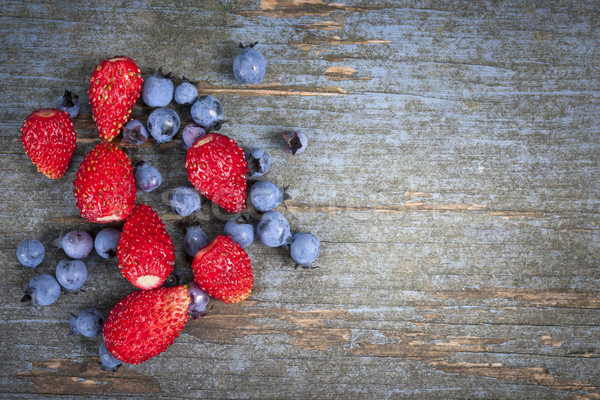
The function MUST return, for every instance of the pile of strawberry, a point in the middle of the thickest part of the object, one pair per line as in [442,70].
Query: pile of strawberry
[145,322]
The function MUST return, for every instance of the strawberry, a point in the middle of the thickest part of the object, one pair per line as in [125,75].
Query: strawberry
[115,86]
[222,269]
[144,323]
[145,252]
[104,184]
[49,141]
[217,167]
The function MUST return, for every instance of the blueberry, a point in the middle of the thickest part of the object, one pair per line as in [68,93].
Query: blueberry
[191,133]
[106,242]
[207,112]
[30,253]
[107,360]
[76,244]
[88,323]
[304,248]
[240,231]
[157,90]
[198,301]
[71,274]
[134,132]
[265,195]
[259,162]
[249,66]
[69,102]
[163,124]
[194,240]
[43,290]
[147,178]
[185,201]
[273,229]
[186,93]
[296,142]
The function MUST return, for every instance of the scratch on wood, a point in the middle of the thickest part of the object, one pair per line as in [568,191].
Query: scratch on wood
[580,229]
[417,194]
[566,298]
[519,214]
[65,377]
[322,25]
[340,73]
[310,40]
[270,90]
[297,8]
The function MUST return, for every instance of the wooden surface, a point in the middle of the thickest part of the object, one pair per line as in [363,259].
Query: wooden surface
[452,176]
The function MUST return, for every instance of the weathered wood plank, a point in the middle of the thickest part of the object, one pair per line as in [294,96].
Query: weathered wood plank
[452,175]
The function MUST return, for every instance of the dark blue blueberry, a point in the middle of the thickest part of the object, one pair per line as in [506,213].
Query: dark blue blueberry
[198,301]
[108,362]
[88,323]
[259,162]
[71,274]
[106,242]
[240,231]
[249,66]
[163,124]
[76,244]
[157,90]
[191,133]
[147,178]
[69,102]
[30,253]
[43,290]
[185,200]
[305,248]
[273,229]
[265,195]
[296,142]
[194,240]
[186,93]
[134,132]
[207,112]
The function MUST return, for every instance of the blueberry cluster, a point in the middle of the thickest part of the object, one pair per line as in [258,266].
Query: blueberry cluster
[272,228]
[70,274]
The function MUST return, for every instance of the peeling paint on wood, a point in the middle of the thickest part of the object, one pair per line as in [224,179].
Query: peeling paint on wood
[298,8]
[342,74]
[311,40]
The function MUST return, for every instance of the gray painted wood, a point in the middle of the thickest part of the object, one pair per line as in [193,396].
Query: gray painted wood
[452,177]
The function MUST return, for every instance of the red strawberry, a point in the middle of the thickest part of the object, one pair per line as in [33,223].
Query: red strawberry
[145,252]
[222,269]
[145,323]
[104,184]
[114,88]
[49,141]
[217,167]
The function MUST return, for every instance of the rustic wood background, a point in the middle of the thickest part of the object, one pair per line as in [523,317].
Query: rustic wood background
[452,176]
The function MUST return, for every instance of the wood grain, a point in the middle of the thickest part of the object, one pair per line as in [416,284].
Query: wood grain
[452,177]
